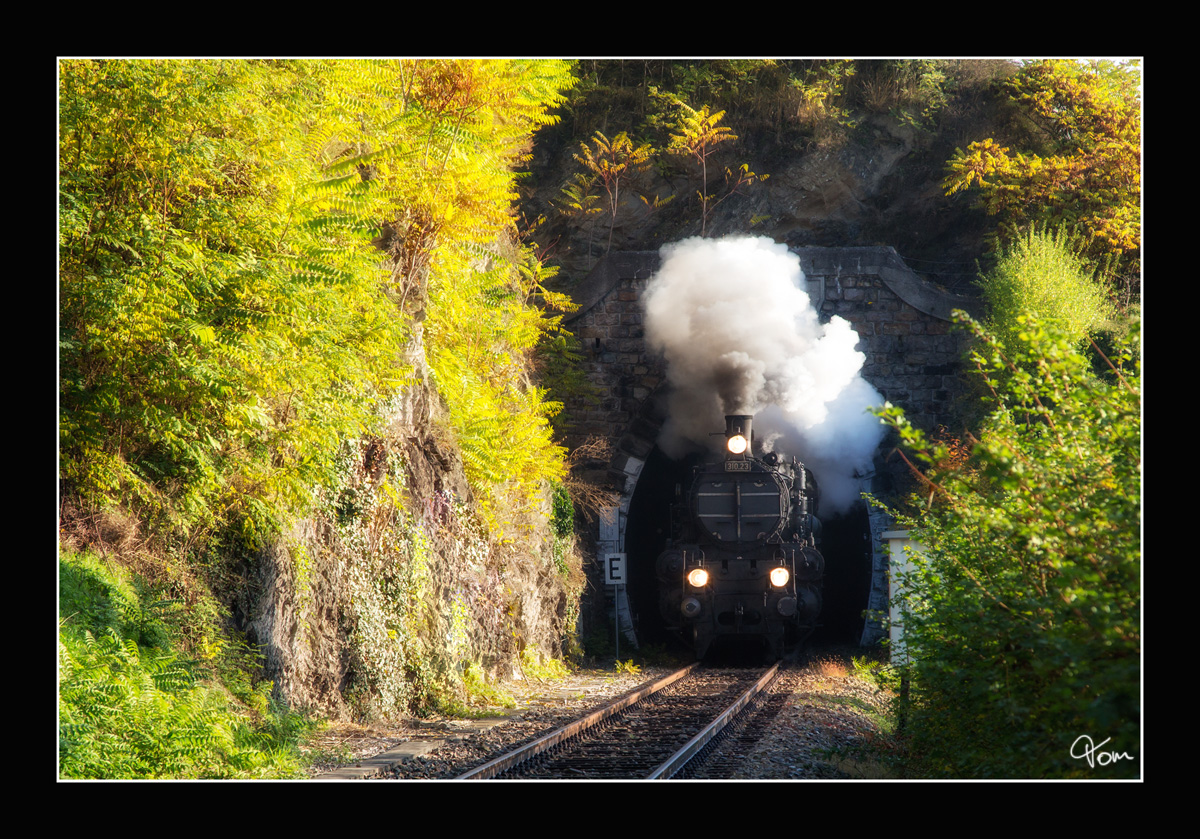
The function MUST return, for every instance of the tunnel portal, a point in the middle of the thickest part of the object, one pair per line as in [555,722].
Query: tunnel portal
[912,358]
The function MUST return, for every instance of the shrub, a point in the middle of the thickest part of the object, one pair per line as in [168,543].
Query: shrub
[1023,612]
[1038,273]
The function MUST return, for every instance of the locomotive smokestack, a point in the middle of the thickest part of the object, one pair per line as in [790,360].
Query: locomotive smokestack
[738,439]
[738,332]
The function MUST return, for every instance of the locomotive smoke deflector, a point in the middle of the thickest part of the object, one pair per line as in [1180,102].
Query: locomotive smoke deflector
[738,440]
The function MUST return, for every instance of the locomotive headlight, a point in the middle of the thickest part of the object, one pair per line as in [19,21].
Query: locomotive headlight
[698,577]
[779,577]
[736,444]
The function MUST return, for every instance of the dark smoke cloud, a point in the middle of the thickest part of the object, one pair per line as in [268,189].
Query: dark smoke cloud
[739,335]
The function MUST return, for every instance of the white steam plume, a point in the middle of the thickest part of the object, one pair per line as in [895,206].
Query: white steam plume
[740,337]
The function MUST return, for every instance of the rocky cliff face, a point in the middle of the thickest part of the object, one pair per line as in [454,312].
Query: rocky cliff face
[378,604]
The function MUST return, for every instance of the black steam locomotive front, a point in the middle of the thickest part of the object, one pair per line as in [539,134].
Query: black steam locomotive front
[747,568]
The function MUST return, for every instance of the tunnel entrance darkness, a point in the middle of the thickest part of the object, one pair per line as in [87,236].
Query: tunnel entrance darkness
[646,532]
[845,542]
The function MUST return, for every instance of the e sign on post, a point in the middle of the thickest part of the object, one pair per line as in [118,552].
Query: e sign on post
[614,569]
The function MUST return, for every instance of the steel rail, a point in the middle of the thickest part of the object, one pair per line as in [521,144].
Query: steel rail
[510,759]
[693,746]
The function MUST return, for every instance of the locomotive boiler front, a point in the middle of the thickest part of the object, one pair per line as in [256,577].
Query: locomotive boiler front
[747,567]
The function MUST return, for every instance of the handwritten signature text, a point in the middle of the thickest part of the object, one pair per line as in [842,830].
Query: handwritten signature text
[1092,753]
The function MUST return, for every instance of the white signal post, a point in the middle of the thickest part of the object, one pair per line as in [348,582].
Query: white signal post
[614,575]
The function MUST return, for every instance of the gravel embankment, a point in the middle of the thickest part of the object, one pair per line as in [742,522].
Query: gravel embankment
[830,724]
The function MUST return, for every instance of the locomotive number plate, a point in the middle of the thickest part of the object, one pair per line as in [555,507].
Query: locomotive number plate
[737,466]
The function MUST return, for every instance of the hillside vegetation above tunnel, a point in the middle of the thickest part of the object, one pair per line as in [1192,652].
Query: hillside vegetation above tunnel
[841,153]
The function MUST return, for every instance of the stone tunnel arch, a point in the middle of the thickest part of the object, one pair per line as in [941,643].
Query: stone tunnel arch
[912,358]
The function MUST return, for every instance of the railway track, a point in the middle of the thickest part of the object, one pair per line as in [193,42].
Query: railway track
[659,732]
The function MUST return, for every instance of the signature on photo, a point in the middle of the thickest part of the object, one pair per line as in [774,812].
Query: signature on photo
[1092,754]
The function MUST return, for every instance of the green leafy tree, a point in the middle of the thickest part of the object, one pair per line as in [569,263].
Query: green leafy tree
[219,309]
[578,202]
[459,241]
[225,315]
[1023,614]
[614,162]
[1082,168]
[697,135]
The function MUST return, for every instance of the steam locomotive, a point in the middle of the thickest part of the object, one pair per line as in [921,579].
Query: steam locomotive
[745,568]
